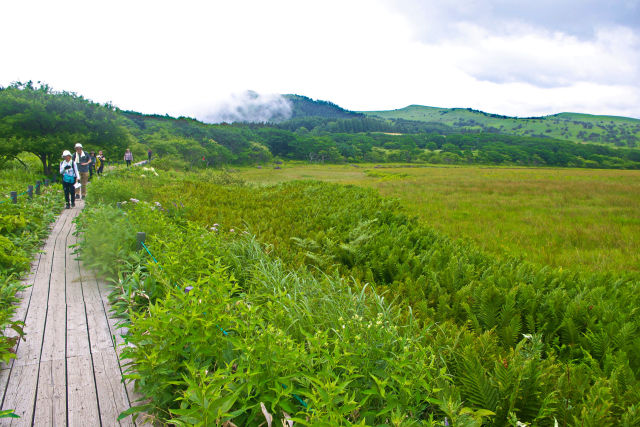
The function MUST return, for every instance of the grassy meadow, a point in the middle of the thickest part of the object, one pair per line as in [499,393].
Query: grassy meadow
[574,218]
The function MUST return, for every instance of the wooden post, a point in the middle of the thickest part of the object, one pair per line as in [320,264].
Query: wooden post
[140,237]
[14,197]
[38,183]
[30,191]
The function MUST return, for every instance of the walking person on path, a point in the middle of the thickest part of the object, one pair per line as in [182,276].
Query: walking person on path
[128,157]
[70,175]
[149,153]
[100,161]
[83,161]
[92,166]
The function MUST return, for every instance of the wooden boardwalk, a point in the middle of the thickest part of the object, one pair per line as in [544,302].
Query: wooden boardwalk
[67,370]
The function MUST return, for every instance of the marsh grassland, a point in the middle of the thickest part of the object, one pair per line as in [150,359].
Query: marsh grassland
[574,218]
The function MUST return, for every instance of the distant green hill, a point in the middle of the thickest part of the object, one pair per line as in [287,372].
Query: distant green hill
[302,106]
[586,128]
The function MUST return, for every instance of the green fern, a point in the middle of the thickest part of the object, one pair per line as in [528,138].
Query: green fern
[476,387]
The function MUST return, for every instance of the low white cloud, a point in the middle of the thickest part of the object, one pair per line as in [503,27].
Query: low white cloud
[248,106]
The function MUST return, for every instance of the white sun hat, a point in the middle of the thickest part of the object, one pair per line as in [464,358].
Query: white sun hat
[78,145]
[66,153]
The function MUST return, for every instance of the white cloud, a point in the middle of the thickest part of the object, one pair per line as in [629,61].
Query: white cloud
[550,59]
[246,107]
[167,57]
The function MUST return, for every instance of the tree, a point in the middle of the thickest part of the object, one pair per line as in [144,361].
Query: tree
[217,154]
[255,153]
[190,150]
[43,122]
[279,141]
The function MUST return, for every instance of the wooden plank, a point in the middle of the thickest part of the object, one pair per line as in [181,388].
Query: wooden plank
[90,286]
[51,399]
[28,350]
[20,394]
[99,333]
[54,341]
[51,393]
[81,392]
[25,294]
[117,334]
[22,379]
[81,387]
[77,334]
[112,394]
[20,314]
[77,330]
[4,380]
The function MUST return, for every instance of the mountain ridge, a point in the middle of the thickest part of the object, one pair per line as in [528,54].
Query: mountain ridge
[576,127]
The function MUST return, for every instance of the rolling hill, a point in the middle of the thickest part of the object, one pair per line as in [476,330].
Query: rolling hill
[585,128]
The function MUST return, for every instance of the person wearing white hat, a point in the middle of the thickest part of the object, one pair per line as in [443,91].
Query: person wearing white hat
[70,175]
[83,161]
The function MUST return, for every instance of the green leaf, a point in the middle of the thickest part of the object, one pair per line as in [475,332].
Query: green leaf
[8,413]
[133,410]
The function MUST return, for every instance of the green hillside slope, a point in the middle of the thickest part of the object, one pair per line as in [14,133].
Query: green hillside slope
[303,106]
[619,131]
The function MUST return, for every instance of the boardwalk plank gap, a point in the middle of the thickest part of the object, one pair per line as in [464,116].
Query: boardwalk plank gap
[67,370]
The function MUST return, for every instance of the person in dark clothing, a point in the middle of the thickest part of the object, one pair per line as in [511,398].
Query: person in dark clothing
[70,175]
[149,154]
[128,157]
[83,161]
[92,166]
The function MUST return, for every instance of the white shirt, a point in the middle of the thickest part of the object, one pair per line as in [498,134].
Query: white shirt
[73,171]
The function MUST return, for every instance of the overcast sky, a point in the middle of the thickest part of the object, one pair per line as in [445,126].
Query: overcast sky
[510,57]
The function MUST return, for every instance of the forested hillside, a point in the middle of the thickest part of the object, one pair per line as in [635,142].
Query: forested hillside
[302,106]
[44,122]
[586,128]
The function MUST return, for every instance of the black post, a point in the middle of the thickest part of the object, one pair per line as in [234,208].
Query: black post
[140,237]
[38,183]
[14,197]
[30,191]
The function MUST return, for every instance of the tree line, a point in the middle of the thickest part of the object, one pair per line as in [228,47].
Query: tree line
[39,120]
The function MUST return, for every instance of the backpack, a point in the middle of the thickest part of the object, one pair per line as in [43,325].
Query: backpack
[70,179]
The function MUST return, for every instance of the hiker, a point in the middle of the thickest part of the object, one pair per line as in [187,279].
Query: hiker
[70,175]
[92,166]
[149,153]
[83,161]
[128,157]
[100,161]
